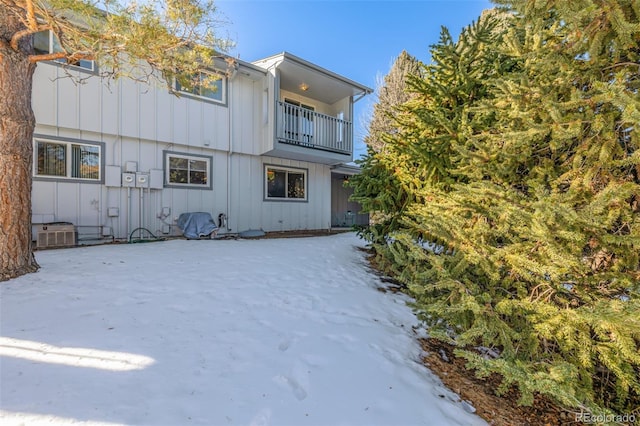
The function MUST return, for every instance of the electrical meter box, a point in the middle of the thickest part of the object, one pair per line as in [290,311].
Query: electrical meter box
[142,180]
[129,180]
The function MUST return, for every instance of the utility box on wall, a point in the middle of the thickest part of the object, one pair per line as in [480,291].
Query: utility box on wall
[142,180]
[129,180]
[156,179]
[112,176]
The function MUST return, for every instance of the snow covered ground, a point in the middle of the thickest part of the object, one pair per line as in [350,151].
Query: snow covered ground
[224,332]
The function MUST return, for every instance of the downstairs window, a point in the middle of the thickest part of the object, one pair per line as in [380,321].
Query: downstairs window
[187,170]
[284,183]
[67,159]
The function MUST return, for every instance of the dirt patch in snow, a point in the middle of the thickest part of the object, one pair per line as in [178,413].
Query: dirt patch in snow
[496,410]
[480,393]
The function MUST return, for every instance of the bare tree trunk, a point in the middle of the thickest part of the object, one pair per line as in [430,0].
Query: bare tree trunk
[17,124]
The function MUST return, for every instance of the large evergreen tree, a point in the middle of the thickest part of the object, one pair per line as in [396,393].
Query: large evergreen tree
[376,186]
[521,155]
[143,40]
[391,92]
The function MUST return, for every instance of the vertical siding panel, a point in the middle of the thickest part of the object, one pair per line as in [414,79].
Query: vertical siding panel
[320,210]
[164,115]
[179,120]
[213,127]
[43,99]
[89,206]
[156,208]
[129,108]
[179,202]
[125,210]
[219,185]
[222,130]
[244,108]
[43,197]
[236,208]
[312,199]
[129,152]
[209,129]
[253,136]
[66,207]
[67,101]
[147,156]
[113,198]
[90,105]
[325,222]
[147,112]
[194,122]
[257,191]
[110,114]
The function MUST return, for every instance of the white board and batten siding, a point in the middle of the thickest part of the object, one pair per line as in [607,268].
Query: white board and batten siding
[138,123]
[252,211]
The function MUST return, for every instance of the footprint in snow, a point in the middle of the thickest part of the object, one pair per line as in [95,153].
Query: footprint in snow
[284,345]
[262,418]
[297,390]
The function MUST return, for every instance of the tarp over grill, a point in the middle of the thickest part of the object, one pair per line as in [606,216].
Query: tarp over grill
[197,225]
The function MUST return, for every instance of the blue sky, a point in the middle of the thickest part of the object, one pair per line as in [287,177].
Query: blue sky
[358,39]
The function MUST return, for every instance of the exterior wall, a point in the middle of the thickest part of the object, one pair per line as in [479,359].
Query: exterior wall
[125,108]
[252,211]
[137,123]
[241,197]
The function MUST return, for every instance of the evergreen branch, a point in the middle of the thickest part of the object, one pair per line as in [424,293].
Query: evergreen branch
[621,64]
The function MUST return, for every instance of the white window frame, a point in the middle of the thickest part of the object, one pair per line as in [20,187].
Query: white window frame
[196,92]
[54,47]
[287,170]
[68,144]
[168,155]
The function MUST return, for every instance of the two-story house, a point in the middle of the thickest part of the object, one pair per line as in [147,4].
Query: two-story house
[264,147]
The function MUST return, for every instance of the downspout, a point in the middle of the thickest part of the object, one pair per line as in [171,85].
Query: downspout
[229,147]
[355,99]
[128,212]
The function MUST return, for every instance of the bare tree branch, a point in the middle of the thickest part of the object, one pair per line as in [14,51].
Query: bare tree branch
[32,22]
[20,34]
[47,57]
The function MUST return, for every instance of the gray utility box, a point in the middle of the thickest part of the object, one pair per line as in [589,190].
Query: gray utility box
[55,234]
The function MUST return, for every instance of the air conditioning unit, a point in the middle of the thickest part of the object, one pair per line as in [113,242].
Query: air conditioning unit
[57,234]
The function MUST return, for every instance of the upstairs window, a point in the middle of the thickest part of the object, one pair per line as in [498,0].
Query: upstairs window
[283,183]
[208,85]
[186,170]
[45,42]
[71,160]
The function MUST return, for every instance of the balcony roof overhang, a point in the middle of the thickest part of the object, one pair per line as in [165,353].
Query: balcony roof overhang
[346,169]
[322,84]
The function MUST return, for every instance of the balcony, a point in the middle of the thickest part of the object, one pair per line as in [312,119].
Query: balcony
[297,125]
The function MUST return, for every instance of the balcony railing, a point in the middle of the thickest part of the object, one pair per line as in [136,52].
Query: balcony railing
[304,127]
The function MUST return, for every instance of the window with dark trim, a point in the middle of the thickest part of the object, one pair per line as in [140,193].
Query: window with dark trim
[187,170]
[45,42]
[66,159]
[209,85]
[285,183]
